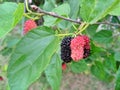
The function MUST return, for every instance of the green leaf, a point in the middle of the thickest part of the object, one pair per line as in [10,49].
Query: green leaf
[74,7]
[110,64]
[7,10]
[96,49]
[31,57]
[18,13]
[98,70]
[115,19]
[117,84]
[54,72]
[49,5]
[103,36]
[63,10]
[65,25]
[94,10]
[117,56]
[116,10]
[91,30]
[78,67]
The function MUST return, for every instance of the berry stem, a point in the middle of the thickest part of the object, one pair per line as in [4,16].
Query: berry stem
[62,35]
[37,14]
[30,12]
[82,27]
[74,27]
[26,15]
[26,3]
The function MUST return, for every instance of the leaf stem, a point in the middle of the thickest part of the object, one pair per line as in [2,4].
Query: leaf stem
[26,3]
[82,28]
[64,34]
[74,27]
[26,15]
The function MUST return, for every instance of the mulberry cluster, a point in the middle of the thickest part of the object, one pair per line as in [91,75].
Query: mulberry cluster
[74,49]
[66,50]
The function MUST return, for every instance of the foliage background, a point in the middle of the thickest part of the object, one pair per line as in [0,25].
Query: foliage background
[105,56]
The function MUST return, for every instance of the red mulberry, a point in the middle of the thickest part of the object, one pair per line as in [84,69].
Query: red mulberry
[1,78]
[64,66]
[29,25]
[80,47]
[77,48]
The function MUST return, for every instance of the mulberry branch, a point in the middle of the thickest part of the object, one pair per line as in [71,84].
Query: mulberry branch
[53,14]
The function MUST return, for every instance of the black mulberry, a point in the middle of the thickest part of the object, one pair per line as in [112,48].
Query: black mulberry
[86,53]
[66,50]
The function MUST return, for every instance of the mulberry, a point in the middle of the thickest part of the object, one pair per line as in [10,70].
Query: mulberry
[86,53]
[64,66]
[1,78]
[77,48]
[29,25]
[80,47]
[66,50]
[86,38]
[87,46]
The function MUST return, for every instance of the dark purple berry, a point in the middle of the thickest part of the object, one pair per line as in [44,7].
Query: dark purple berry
[66,50]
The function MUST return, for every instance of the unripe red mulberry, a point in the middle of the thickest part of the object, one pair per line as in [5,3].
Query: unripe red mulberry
[77,54]
[1,78]
[64,66]
[77,48]
[86,38]
[80,47]
[29,25]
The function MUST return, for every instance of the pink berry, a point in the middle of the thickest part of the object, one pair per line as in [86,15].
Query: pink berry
[29,25]
[1,78]
[77,48]
[64,66]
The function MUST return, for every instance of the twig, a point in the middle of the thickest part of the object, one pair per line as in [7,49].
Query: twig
[53,14]
[57,16]
[112,24]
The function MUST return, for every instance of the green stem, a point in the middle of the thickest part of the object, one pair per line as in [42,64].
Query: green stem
[59,30]
[64,34]
[28,16]
[74,27]
[26,3]
[37,14]
[83,28]
[30,12]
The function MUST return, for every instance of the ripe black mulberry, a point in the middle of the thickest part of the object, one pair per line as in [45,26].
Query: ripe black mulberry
[66,50]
